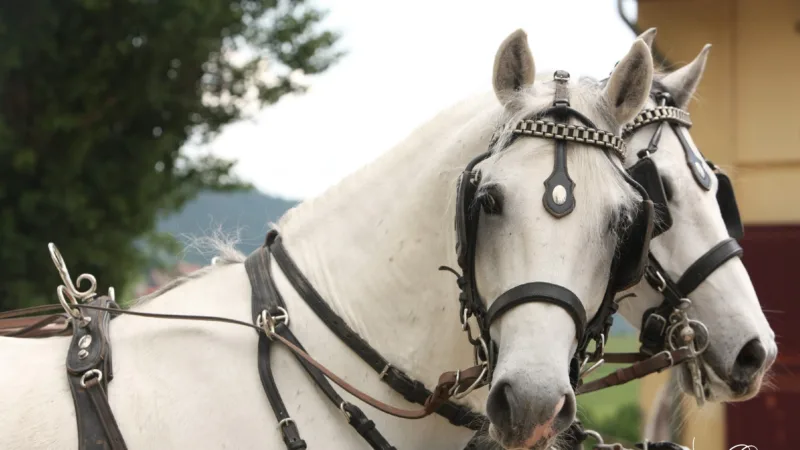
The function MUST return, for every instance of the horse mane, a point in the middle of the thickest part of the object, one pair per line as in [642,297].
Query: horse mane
[219,244]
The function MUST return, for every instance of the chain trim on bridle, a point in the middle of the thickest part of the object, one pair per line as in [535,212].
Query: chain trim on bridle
[657,114]
[575,133]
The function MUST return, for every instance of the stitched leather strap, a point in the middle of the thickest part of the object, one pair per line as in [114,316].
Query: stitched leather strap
[707,264]
[654,364]
[265,298]
[544,293]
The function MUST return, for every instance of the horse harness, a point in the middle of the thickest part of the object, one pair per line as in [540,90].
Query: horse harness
[666,324]
[89,365]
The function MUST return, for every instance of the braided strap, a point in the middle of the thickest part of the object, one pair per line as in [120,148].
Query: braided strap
[577,133]
[658,114]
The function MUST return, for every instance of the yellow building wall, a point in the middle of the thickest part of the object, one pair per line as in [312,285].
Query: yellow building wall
[746,118]
[745,115]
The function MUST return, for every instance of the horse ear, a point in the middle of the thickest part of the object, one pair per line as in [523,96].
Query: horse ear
[648,36]
[682,83]
[629,85]
[513,66]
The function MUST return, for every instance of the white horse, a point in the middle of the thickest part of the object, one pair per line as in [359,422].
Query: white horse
[741,345]
[371,246]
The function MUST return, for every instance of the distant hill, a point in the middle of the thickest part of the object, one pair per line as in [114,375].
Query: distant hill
[246,213]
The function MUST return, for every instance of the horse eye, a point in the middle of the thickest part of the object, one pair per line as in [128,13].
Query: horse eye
[490,197]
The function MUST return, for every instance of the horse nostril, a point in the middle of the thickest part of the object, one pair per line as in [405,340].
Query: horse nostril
[500,405]
[566,415]
[748,363]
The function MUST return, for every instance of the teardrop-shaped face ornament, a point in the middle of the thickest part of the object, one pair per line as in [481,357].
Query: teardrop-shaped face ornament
[699,168]
[692,159]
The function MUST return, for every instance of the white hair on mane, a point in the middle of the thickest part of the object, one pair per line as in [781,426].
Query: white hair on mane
[594,168]
[222,245]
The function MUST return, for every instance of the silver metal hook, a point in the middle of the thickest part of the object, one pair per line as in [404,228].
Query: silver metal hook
[72,290]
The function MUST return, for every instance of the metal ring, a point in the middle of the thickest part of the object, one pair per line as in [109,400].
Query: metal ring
[662,280]
[454,389]
[705,330]
[484,372]
[669,356]
[600,349]
[284,422]
[344,411]
[595,435]
[267,322]
[384,371]
[95,372]
[671,333]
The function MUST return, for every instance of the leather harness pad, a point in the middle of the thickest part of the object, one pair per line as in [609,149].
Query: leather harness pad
[464,195]
[97,428]
[634,248]
[727,206]
[645,173]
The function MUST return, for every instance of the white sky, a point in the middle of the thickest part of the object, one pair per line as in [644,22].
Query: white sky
[406,61]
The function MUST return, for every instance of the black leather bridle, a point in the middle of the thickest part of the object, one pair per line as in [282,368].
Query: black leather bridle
[626,269]
[656,330]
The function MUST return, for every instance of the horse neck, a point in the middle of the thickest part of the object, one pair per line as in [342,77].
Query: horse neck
[371,246]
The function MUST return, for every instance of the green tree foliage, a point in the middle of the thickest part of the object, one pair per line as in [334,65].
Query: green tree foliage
[98,98]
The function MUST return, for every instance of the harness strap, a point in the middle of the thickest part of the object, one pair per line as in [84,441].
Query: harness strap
[410,389]
[653,364]
[707,264]
[89,370]
[266,298]
[257,270]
